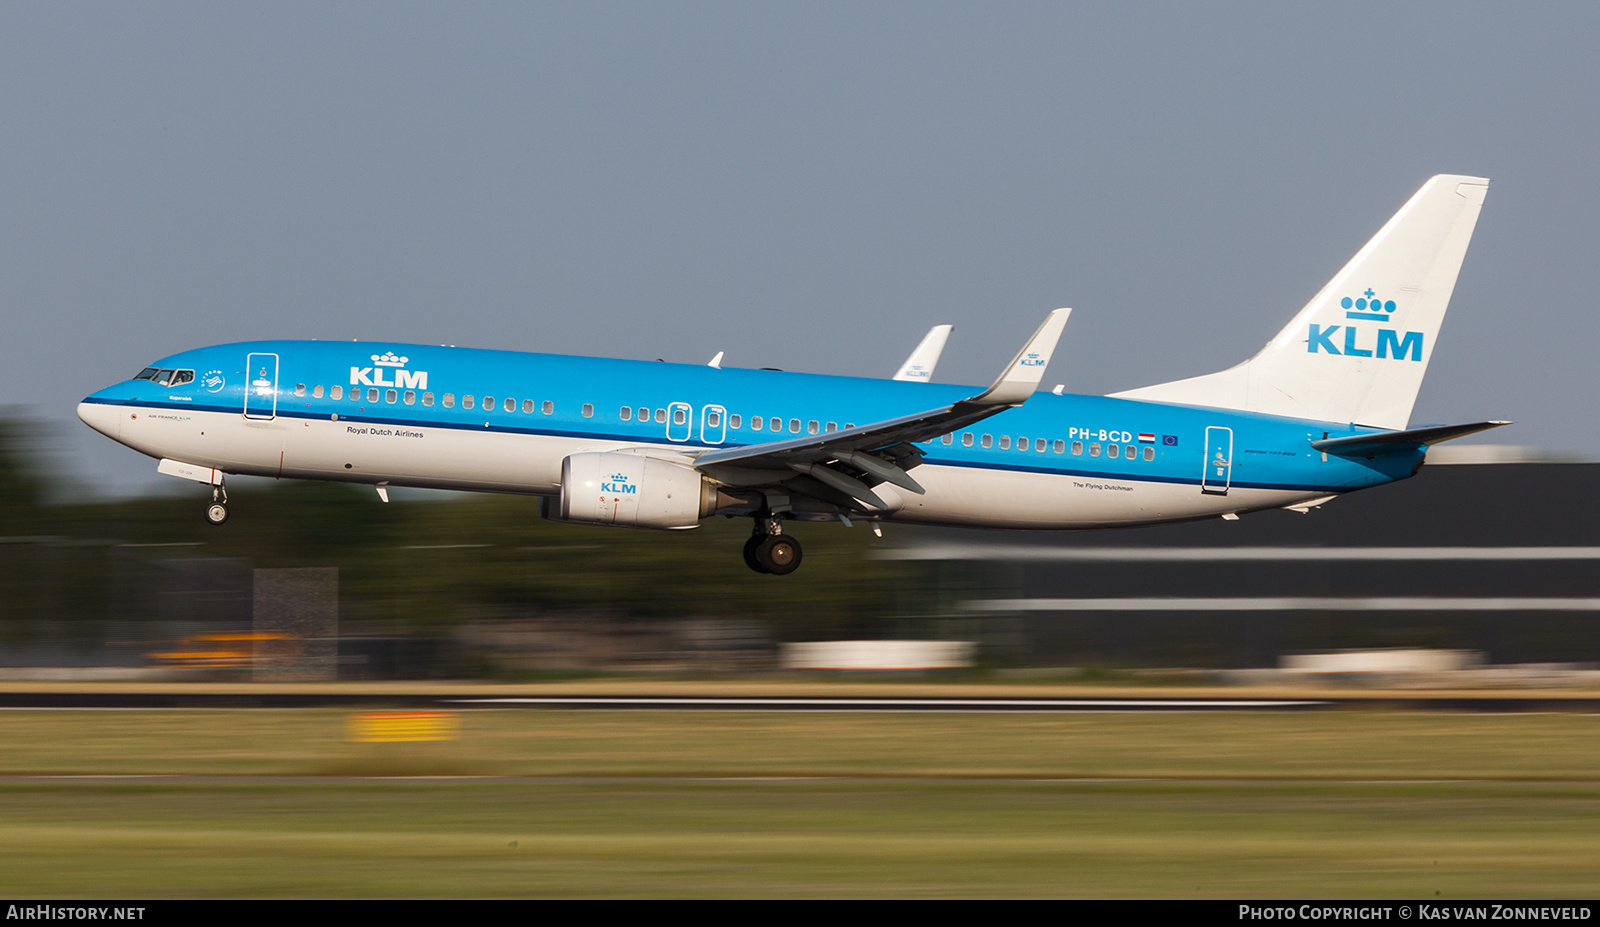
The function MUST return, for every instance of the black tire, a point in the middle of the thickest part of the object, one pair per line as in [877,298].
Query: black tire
[779,554]
[750,558]
[216,513]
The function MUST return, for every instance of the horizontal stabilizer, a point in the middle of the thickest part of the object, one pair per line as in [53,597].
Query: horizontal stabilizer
[1384,441]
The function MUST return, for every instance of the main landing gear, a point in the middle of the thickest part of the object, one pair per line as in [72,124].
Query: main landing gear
[217,511]
[769,550]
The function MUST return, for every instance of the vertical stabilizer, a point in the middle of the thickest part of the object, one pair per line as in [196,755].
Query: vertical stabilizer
[1357,351]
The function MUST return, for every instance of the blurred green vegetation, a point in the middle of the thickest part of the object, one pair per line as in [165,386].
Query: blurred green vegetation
[420,565]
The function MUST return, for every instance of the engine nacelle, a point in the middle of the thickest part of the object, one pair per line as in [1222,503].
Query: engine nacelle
[632,491]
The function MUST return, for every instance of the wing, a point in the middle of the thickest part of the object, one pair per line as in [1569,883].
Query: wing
[842,466]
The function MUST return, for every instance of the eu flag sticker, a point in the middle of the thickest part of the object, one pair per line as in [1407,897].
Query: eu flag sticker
[1169,440]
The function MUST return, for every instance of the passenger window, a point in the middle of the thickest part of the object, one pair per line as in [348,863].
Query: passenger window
[832,426]
[627,413]
[588,410]
[466,402]
[1077,448]
[300,389]
[1112,450]
[713,419]
[1060,446]
[389,396]
[1132,452]
[1094,448]
[733,420]
[1149,453]
[1022,443]
[812,427]
[411,397]
[644,414]
[661,416]
[794,426]
[527,407]
[427,399]
[947,439]
[1005,442]
[987,441]
[372,394]
[336,393]
[547,407]
[488,403]
[449,400]
[678,416]
[756,422]
[966,439]
[511,404]
[316,391]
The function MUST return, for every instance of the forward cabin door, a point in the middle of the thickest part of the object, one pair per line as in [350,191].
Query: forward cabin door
[1219,461]
[261,387]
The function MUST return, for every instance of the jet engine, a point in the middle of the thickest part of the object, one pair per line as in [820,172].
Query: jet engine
[632,491]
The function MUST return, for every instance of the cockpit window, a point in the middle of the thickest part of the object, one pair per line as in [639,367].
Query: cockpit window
[166,377]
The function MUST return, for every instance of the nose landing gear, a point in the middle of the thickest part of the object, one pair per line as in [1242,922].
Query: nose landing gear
[217,511]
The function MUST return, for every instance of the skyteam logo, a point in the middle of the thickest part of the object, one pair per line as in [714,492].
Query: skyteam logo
[1387,344]
[383,363]
[619,484]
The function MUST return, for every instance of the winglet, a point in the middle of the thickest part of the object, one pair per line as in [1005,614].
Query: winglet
[1021,377]
[918,368]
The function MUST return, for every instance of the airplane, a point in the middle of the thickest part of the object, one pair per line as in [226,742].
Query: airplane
[1323,409]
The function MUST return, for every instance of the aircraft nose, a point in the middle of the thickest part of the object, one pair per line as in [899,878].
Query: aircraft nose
[106,419]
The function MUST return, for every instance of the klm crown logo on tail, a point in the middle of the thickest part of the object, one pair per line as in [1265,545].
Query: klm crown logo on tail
[1388,343]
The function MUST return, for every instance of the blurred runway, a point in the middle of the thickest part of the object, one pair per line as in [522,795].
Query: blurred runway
[266,698]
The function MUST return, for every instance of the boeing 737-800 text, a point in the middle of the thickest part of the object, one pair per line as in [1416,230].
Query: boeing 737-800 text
[1322,409]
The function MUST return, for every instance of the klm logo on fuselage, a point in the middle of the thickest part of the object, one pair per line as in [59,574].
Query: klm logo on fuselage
[374,376]
[619,484]
[1390,343]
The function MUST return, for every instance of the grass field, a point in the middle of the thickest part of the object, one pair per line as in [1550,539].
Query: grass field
[1326,804]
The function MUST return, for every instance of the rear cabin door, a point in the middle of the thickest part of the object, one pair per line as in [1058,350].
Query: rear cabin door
[1219,461]
[261,387]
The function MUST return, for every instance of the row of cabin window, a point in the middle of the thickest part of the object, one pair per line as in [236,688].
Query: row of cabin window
[680,416]
[1130,451]
[448,400]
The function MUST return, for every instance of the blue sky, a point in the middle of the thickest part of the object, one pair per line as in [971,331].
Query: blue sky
[807,186]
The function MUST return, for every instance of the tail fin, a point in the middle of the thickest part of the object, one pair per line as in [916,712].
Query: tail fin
[1357,352]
